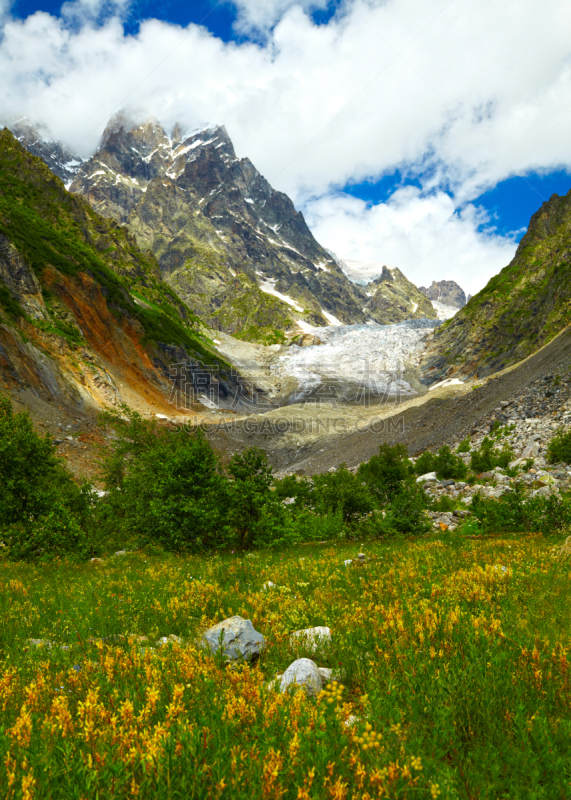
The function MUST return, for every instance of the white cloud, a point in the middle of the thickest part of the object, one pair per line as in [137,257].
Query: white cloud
[423,236]
[89,12]
[475,90]
[261,15]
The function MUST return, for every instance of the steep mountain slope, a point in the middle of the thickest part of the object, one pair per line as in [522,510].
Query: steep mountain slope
[394,298]
[447,292]
[236,251]
[38,142]
[520,309]
[84,315]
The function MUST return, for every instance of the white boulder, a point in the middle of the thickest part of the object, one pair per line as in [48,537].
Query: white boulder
[238,638]
[303,672]
[311,638]
[429,477]
[531,450]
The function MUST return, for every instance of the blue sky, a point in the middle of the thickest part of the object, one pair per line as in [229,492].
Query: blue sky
[510,204]
[419,133]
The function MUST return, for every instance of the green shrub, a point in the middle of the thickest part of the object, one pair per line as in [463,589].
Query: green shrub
[464,446]
[256,516]
[444,503]
[167,487]
[449,466]
[55,533]
[445,463]
[163,486]
[488,457]
[344,492]
[385,473]
[43,512]
[559,448]
[301,490]
[403,515]
[425,463]
[514,512]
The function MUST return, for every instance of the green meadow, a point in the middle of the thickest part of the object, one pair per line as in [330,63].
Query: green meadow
[450,656]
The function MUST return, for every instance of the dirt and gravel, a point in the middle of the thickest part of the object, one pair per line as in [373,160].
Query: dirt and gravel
[443,416]
[308,439]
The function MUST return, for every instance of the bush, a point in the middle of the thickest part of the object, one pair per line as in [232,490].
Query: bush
[559,448]
[425,463]
[344,492]
[385,473]
[488,457]
[445,463]
[515,513]
[403,515]
[163,486]
[464,446]
[444,504]
[167,487]
[43,512]
[255,514]
[449,466]
[55,533]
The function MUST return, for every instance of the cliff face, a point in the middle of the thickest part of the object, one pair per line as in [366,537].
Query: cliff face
[394,299]
[56,156]
[447,292]
[520,309]
[234,250]
[84,315]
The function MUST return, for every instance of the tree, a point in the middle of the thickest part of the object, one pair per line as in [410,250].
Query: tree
[43,512]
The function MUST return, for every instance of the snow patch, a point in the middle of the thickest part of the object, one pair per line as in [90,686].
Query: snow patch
[448,382]
[330,318]
[362,271]
[443,311]
[268,288]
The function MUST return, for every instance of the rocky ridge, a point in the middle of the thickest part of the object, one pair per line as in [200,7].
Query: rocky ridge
[85,318]
[448,293]
[520,309]
[393,298]
[37,141]
[234,249]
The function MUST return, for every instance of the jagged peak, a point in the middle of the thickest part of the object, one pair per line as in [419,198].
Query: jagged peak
[149,133]
[120,121]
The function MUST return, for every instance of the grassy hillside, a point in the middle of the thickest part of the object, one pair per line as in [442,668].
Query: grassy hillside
[450,660]
[520,309]
[56,232]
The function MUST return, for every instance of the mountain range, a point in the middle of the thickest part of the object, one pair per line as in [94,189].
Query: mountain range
[233,249]
[115,267]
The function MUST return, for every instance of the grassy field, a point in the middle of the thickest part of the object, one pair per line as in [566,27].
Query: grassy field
[454,680]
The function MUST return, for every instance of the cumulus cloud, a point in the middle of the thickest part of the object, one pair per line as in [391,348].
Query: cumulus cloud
[463,93]
[261,15]
[425,236]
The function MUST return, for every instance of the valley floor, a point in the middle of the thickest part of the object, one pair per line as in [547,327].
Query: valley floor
[312,437]
[450,658]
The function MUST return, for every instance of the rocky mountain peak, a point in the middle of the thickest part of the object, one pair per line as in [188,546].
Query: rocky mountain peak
[217,227]
[448,293]
[386,275]
[38,141]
